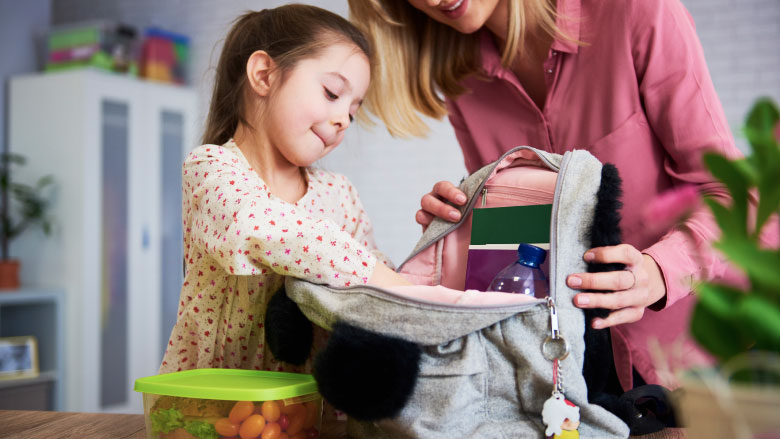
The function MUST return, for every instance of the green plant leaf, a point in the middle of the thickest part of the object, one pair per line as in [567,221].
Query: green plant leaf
[728,222]
[713,323]
[759,128]
[738,183]
[768,189]
[762,266]
[761,320]
[8,158]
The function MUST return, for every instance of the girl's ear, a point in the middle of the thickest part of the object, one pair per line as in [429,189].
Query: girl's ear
[258,72]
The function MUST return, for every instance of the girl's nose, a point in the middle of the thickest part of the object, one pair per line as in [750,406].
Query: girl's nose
[342,121]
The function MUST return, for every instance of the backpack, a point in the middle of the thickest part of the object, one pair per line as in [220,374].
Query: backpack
[436,362]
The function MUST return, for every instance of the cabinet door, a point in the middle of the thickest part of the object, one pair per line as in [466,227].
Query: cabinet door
[172,254]
[114,249]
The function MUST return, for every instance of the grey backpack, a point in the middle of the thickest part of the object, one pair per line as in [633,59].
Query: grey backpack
[402,367]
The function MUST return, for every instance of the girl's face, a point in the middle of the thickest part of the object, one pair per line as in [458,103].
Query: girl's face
[309,112]
[465,16]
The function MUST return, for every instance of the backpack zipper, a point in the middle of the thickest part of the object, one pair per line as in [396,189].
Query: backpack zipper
[509,191]
[480,189]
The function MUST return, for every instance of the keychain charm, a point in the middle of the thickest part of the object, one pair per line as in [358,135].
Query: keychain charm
[559,415]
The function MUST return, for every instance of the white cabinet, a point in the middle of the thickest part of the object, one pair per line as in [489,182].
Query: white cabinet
[114,146]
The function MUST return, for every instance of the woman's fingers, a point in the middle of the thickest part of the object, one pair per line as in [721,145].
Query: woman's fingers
[626,292]
[609,281]
[617,254]
[448,191]
[435,203]
[616,300]
[423,218]
[625,315]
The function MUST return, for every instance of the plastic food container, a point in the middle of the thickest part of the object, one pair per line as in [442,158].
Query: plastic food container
[231,403]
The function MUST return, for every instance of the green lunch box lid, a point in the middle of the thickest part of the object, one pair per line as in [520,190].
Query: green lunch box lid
[229,384]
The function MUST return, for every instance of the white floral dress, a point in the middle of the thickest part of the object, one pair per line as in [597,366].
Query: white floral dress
[240,241]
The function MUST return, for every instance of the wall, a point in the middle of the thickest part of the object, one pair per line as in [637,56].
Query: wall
[19,23]
[390,174]
[740,39]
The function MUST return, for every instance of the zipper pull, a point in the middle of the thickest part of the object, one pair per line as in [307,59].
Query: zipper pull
[554,347]
[484,196]
[553,319]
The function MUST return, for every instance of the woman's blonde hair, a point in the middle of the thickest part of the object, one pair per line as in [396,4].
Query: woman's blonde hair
[417,59]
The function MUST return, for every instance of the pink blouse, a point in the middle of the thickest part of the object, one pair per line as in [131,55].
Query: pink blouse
[637,94]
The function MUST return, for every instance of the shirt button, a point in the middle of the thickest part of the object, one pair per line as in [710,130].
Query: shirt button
[549,70]
[555,52]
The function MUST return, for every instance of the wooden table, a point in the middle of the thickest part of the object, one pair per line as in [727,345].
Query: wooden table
[50,425]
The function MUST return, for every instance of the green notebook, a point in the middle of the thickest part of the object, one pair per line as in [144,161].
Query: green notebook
[495,234]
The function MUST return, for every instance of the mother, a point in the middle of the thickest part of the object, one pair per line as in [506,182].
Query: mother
[625,80]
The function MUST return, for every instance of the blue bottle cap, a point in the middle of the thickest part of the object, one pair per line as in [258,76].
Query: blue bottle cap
[531,255]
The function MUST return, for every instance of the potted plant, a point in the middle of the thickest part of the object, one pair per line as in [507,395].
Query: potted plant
[22,207]
[740,326]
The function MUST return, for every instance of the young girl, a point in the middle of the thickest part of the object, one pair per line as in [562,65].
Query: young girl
[288,84]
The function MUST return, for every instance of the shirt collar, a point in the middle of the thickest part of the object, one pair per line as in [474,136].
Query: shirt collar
[568,22]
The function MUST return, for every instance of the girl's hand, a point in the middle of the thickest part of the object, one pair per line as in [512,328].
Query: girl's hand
[383,276]
[434,204]
[640,285]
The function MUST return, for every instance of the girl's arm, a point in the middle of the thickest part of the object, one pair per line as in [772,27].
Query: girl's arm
[383,275]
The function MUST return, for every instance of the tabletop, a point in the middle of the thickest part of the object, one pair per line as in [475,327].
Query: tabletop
[47,425]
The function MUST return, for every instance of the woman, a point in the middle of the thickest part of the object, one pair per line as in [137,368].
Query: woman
[625,80]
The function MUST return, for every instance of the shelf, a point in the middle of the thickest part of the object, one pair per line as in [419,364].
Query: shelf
[43,377]
[28,295]
[35,312]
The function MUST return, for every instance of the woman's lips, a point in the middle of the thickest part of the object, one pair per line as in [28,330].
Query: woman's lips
[455,10]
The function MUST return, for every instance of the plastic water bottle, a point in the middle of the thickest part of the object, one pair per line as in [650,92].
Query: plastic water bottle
[524,276]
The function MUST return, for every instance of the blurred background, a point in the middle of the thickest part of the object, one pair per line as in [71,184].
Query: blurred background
[104,98]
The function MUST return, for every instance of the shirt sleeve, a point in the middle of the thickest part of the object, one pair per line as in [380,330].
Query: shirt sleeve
[238,222]
[686,115]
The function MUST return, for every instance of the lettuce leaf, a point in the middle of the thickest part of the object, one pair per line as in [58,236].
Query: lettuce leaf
[165,421]
[201,430]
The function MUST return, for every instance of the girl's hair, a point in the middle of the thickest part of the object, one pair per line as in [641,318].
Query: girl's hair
[288,34]
[417,57]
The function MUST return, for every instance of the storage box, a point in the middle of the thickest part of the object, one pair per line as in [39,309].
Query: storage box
[226,403]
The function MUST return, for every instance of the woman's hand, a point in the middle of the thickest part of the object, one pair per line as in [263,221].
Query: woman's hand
[434,204]
[640,285]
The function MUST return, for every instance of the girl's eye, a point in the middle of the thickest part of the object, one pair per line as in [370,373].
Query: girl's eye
[331,96]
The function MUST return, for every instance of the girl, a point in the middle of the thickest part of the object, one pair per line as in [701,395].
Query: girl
[288,84]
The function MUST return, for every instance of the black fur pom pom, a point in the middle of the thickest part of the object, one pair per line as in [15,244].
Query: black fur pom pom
[288,333]
[598,366]
[366,375]
[606,218]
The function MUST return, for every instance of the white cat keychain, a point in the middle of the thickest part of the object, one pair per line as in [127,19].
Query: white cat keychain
[559,415]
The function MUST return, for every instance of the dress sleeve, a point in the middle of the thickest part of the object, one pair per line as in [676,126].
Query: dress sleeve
[363,230]
[686,115]
[236,220]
